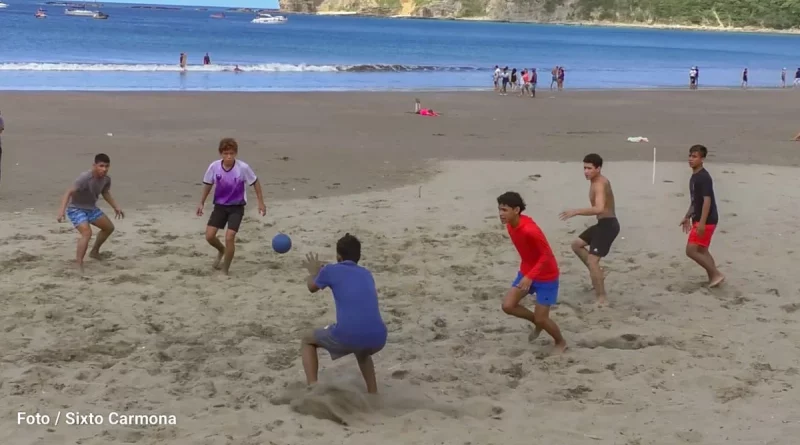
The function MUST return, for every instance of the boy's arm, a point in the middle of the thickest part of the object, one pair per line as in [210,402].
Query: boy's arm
[110,200]
[318,281]
[705,192]
[65,200]
[252,179]
[536,241]
[599,202]
[204,195]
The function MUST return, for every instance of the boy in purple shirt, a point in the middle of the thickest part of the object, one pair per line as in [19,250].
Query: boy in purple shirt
[230,176]
[79,204]
[359,328]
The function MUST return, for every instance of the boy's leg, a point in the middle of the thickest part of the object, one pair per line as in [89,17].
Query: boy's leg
[234,222]
[216,221]
[546,296]
[367,368]
[511,301]
[80,220]
[697,250]
[320,338]
[310,360]
[101,221]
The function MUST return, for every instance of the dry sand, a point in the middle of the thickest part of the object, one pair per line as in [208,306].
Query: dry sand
[153,331]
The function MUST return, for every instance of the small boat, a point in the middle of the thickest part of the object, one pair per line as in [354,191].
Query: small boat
[268,19]
[218,15]
[3,5]
[79,12]
[100,15]
[40,14]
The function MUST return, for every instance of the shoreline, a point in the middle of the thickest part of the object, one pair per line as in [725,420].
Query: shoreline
[432,90]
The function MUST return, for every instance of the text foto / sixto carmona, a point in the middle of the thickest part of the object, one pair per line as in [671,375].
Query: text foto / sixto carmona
[77,418]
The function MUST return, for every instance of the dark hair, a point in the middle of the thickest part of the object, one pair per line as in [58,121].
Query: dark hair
[594,159]
[511,199]
[349,248]
[102,158]
[228,144]
[697,148]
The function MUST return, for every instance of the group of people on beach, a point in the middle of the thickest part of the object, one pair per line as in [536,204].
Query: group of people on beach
[694,78]
[525,80]
[359,327]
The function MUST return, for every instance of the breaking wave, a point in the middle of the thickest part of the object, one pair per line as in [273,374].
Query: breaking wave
[261,67]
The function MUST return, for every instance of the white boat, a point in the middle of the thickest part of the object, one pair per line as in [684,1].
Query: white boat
[100,15]
[40,14]
[3,5]
[79,12]
[268,19]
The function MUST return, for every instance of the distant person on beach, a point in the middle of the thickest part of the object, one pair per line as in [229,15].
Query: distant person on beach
[693,78]
[796,78]
[206,59]
[526,83]
[534,81]
[359,327]
[701,219]
[505,77]
[80,206]
[744,79]
[236,69]
[538,272]
[183,61]
[514,80]
[554,76]
[599,237]
[496,77]
[561,75]
[229,177]
[783,78]
[2,128]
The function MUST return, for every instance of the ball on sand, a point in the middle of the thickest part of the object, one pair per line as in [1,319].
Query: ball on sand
[281,243]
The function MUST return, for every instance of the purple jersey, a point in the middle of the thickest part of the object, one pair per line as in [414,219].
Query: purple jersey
[229,185]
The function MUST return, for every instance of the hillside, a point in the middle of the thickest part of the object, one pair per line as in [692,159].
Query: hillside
[772,14]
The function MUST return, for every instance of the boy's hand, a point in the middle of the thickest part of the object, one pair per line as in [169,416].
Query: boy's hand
[312,264]
[60,217]
[199,210]
[701,230]
[119,214]
[685,225]
[525,284]
[262,209]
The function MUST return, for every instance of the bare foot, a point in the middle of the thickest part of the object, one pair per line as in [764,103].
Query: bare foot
[79,267]
[96,255]
[560,348]
[601,301]
[716,281]
[218,263]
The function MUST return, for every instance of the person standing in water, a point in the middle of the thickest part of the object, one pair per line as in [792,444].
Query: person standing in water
[207,59]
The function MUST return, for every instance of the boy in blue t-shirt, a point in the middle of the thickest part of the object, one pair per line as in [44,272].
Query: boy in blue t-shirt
[359,328]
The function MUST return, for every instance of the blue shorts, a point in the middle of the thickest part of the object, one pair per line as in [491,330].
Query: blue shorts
[325,339]
[80,216]
[546,291]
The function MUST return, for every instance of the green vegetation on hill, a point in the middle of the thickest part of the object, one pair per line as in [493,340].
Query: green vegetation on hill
[776,14]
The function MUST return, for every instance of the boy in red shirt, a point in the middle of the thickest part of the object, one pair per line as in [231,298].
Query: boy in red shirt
[538,274]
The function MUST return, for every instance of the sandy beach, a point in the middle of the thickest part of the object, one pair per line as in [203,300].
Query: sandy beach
[153,331]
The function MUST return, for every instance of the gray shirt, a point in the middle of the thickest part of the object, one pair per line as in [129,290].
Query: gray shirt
[87,189]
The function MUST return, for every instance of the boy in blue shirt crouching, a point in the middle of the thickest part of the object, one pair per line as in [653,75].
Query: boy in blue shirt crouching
[359,328]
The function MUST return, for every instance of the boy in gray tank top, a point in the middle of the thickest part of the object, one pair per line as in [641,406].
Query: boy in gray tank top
[79,204]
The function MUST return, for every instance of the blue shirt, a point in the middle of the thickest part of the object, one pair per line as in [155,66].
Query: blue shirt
[358,317]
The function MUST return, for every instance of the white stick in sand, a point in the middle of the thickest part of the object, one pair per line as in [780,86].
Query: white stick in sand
[654,165]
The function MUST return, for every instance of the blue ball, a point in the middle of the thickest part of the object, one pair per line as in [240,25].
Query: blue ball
[281,243]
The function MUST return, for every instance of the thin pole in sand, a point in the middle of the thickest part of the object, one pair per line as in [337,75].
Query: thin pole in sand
[654,165]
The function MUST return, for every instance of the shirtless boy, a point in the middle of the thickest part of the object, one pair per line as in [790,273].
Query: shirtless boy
[538,271]
[600,236]
[80,206]
[701,219]
[229,177]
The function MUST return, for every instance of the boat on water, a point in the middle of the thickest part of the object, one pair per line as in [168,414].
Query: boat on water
[218,15]
[100,15]
[40,14]
[267,19]
[79,12]
[3,5]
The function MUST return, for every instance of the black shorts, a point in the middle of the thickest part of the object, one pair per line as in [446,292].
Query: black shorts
[600,236]
[230,215]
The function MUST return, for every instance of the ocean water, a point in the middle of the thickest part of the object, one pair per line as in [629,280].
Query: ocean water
[138,49]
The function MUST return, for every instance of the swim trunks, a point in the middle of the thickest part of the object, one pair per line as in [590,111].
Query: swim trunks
[705,240]
[83,216]
[546,291]
[600,236]
[325,339]
[226,214]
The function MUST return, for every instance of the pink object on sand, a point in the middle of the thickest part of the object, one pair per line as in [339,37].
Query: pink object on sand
[427,112]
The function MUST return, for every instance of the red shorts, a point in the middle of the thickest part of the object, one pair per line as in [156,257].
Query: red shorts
[704,240]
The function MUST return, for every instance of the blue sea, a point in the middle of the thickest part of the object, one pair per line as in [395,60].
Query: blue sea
[138,49]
